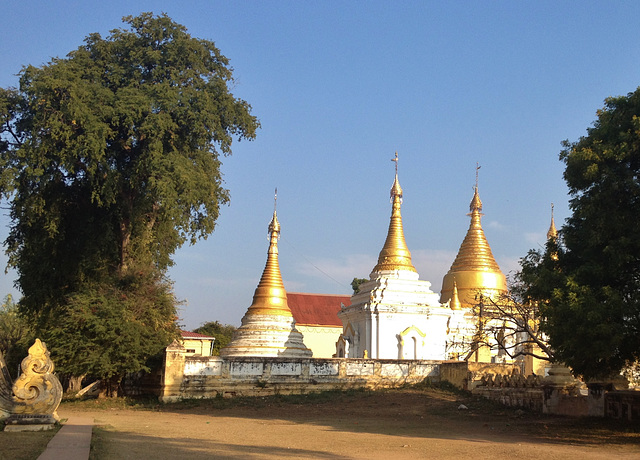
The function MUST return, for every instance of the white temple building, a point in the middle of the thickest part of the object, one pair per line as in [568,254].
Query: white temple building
[395,315]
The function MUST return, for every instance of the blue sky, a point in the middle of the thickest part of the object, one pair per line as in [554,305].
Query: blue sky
[339,87]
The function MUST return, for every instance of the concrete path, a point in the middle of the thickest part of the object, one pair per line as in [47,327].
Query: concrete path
[72,442]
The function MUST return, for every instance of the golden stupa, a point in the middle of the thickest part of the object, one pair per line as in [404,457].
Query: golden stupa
[474,269]
[395,255]
[270,297]
[268,327]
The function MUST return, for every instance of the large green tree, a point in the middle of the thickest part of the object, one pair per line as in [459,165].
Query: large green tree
[110,159]
[590,284]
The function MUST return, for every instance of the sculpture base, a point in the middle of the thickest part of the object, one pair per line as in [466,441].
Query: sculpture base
[29,422]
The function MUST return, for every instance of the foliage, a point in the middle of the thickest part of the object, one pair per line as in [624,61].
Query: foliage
[632,373]
[223,334]
[110,159]
[114,328]
[591,292]
[15,336]
[511,326]
[356,283]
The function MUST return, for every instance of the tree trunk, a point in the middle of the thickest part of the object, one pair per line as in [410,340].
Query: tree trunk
[75,383]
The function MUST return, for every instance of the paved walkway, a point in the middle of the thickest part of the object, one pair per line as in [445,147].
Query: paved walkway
[72,442]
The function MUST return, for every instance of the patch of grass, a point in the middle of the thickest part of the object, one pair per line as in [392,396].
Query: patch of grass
[443,385]
[144,403]
[25,445]
[321,397]
[314,398]
[99,444]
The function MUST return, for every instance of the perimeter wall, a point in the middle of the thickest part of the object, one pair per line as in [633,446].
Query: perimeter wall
[212,376]
[187,377]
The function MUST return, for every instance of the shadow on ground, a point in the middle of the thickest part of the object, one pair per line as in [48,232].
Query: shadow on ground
[391,424]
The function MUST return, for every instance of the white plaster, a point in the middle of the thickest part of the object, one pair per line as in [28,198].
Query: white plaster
[396,316]
[267,335]
[359,368]
[246,368]
[286,369]
[427,370]
[202,367]
[394,370]
[324,369]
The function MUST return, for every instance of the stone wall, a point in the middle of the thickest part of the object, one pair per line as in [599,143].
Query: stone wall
[210,377]
[623,405]
[527,398]
[467,375]
[186,377]
[559,395]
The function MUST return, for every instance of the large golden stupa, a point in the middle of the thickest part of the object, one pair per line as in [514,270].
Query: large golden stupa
[474,269]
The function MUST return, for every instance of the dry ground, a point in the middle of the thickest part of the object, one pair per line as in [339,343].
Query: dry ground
[395,424]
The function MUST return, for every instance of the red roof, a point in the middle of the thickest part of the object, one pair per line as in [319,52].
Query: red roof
[316,309]
[194,335]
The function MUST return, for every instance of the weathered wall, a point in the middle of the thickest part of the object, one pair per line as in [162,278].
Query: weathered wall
[213,376]
[210,377]
[466,375]
[527,398]
[623,404]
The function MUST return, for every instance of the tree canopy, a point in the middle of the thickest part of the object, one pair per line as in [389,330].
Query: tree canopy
[15,335]
[356,283]
[223,334]
[110,159]
[590,283]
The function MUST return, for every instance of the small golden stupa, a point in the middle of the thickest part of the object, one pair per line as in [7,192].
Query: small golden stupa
[270,297]
[474,269]
[455,300]
[268,327]
[394,254]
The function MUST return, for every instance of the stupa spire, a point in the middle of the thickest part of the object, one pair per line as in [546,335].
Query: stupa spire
[270,297]
[553,232]
[395,255]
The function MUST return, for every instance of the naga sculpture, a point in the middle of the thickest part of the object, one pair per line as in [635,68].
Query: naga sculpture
[35,396]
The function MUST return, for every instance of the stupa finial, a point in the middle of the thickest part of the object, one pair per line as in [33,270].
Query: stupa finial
[476,204]
[396,190]
[274,225]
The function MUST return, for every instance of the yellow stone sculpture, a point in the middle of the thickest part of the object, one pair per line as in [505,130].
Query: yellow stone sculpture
[36,394]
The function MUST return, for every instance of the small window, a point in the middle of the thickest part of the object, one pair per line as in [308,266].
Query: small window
[191,350]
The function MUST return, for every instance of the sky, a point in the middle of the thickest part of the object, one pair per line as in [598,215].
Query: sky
[338,88]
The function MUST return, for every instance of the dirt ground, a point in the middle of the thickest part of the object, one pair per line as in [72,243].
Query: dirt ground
[399,424]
